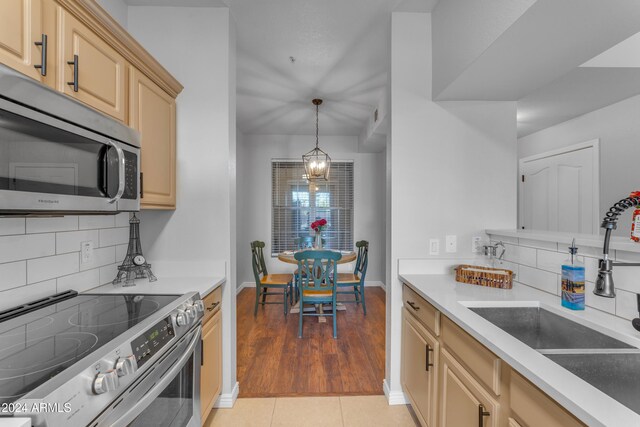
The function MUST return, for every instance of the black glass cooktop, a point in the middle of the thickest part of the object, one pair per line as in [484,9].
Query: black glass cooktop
[36,346]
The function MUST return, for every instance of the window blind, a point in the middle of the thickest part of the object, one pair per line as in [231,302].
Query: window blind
[296,203]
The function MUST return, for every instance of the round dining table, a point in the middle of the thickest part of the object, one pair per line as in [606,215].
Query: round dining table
[288,257]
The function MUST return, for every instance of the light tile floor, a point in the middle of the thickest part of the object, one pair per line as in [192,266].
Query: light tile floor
[347,411]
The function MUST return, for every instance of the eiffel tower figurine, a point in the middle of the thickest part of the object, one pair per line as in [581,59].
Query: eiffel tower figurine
[134,266]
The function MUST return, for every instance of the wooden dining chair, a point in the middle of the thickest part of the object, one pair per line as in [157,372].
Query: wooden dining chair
[355,282]
[264,280]
[317,277]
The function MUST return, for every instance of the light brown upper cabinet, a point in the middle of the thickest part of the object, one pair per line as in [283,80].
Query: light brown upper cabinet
[20,30]
[153,114]
[93,72]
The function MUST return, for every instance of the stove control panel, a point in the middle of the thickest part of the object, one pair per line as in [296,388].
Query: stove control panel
[152,341]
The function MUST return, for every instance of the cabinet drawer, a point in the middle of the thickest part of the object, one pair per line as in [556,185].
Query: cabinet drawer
[212,304]
[420,308]
[531,407]
[482,363]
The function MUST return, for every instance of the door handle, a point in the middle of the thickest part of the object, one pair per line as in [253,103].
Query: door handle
[74,83]
[413,305]
[121,171]
[427,358]
[481,414]
[43,55]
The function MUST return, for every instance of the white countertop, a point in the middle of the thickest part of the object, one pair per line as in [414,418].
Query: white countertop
[585,401]
[164,285]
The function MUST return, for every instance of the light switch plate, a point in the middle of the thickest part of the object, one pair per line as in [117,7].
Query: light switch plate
[451,245]
[86,252]
[434,246]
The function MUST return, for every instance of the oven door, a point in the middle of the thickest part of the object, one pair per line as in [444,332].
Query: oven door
[47,164]
[166,395]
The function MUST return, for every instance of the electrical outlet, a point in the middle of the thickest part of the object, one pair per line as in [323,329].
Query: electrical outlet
[86,252]
[451,245]
[476,244]
[434,246]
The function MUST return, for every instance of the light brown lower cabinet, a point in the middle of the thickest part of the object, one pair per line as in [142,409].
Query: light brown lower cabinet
[420,353]
[531,407]
[464,402]
[468,385]
[211,369]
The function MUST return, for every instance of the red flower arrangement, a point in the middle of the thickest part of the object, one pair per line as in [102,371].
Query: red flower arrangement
[318,225]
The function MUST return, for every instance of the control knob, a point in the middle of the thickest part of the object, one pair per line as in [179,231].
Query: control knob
[181,318]
[191,313]
[106,381]
[125,366]
[199,305]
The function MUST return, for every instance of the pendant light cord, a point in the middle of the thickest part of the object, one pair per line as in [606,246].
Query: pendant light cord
[317,108]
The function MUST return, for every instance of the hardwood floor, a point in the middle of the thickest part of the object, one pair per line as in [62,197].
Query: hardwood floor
[274,362]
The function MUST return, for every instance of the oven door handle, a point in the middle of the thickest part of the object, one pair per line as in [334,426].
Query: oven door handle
[121,170]
[159,387]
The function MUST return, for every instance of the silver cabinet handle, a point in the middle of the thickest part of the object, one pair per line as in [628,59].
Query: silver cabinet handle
[43,55]
[74,83]
[121,171]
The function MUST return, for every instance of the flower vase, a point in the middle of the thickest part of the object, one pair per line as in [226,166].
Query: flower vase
[318,244]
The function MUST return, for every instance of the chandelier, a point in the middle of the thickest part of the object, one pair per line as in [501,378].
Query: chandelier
[316,161]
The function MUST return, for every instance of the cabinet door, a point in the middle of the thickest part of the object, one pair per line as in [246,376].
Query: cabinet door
[101,71]
[464,401]
[20,29]
[420,352]
[153,114]
[211,371]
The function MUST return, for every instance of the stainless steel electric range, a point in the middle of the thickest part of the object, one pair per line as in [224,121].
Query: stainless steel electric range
[102,360]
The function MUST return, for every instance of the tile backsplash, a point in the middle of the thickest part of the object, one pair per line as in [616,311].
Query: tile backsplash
[41,256]
[538,264]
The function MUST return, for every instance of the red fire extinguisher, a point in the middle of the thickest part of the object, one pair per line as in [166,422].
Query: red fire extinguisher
[635,222]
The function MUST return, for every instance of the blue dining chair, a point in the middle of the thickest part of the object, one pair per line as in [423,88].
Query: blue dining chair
[264,280]
[317,277]
[355,282]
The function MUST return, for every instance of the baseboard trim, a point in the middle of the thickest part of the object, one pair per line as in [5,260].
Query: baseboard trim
[227,400]
[245,285]
[377,283]
[394,397]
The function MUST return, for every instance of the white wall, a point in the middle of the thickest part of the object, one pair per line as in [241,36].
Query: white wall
[453,168]
[254,184]
[618,128]
[197,45]
[118,9]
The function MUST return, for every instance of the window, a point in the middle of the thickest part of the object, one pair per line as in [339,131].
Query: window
[296,203]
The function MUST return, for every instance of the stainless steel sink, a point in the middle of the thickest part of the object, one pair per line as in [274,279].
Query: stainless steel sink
[615,374]
[543,330]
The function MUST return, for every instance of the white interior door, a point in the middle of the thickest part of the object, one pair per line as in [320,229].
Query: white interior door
[559,190]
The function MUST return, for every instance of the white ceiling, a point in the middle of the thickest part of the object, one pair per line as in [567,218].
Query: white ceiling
[341,51]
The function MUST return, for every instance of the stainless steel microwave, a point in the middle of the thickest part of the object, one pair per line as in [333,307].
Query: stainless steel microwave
[59,156]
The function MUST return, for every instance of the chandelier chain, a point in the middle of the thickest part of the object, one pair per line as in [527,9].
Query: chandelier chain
[317,108]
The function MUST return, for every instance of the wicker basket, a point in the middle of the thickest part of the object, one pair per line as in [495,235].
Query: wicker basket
[485,276]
